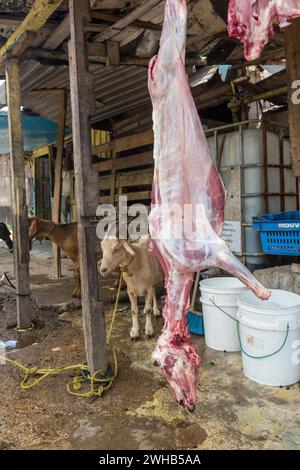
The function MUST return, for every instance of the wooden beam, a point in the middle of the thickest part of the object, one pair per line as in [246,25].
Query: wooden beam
[292,46]
[25,309]
[56,216]
[141,159]
[59,35]
[87,195]
[37,53]
[126,20]
[126,143]
[33,22]
[61,57]
[113,53]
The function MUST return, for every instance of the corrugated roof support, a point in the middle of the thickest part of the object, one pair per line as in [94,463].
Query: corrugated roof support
[87,193]
[25,307]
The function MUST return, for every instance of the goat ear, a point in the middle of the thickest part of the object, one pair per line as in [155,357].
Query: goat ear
[127,247]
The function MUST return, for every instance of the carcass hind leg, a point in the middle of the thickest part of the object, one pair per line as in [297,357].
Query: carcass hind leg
[229,263]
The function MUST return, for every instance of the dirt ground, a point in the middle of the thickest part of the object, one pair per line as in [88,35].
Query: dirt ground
[139,412]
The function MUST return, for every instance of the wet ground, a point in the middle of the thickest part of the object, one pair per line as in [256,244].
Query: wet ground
[139,412]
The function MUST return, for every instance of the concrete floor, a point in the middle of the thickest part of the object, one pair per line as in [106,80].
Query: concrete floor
[140,411]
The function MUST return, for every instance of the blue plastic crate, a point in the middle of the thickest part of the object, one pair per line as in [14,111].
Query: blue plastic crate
[279,233]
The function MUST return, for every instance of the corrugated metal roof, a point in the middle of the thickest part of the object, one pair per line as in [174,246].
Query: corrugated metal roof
[119,89]
[124,88]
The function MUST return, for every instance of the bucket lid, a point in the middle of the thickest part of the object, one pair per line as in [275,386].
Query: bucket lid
[280,302]
[222,285]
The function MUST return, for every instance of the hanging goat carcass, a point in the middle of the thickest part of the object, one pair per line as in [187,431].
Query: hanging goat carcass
[188,190]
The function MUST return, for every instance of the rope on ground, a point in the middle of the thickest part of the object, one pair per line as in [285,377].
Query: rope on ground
[83,384]
[9,281]
[24,330]
[240,339]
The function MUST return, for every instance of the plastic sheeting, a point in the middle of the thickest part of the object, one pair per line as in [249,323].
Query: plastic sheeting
[38,132]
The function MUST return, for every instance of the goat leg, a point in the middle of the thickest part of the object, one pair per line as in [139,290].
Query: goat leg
[148,312]
[134,332]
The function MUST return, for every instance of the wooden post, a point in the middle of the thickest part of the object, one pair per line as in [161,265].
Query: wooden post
[25,310]
[113,179]
[87,188]
[56,216]
[292,46]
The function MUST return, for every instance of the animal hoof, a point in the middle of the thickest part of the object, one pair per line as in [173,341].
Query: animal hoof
[134,339]
[180,403]
[156,363]
[149,336]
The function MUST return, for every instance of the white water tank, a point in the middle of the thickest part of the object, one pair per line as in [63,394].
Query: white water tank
[243,155]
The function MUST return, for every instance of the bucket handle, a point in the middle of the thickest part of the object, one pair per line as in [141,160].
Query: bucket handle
[240,339]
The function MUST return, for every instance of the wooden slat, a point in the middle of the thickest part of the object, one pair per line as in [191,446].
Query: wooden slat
[134,196]
[135,178]
[99,15]
[25,310]
[126,143]
[59,35]
[141,159]
[127,179]
[87,194]
[127,20]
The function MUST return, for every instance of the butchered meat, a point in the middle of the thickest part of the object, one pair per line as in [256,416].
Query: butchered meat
[252,21]
[187,188]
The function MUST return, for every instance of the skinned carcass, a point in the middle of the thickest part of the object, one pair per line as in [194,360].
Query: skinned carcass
[252,21]
[187,192]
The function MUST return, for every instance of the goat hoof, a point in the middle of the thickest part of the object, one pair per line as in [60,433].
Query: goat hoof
[150,336]
[191,408]
[134,339]
[156,363]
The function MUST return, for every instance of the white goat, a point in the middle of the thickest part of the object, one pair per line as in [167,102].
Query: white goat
[142,274]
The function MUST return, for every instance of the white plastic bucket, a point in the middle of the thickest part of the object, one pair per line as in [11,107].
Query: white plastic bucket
[220,329]
[270,328]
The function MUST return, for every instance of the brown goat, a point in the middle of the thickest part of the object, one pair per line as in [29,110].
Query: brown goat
[65,237]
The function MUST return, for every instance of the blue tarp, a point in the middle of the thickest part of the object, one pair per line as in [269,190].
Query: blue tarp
[37,131]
